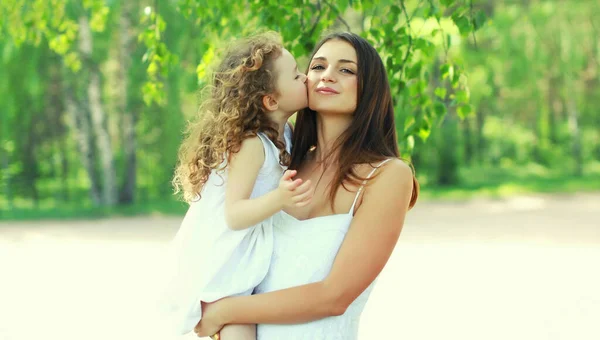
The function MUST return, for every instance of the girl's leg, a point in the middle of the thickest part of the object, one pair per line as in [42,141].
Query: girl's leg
[238,332]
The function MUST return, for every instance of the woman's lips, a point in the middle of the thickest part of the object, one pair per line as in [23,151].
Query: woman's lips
[326,90]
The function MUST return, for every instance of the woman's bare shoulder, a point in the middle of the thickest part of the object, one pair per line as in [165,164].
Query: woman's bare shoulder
[394,167]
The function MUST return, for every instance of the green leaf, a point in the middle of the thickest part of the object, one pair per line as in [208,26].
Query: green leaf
[439,108]
[424,133]
[98,20]
[426,46]
[401,86]
[440,92]
[464,110]
[415,70]
[408,122]
[389,63]
[455,79]
[479,20]
[461,96]
[447,71]
[410,141]
[463,23]
[432,10]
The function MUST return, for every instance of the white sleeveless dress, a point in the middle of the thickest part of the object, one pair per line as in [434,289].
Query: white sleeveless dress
[209,261]
[304,252]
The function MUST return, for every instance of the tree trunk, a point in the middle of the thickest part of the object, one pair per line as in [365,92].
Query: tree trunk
[553,109]
[447,137]
[30,170]
[570,99]
[481,142]
[467,140]
[94,93]
[56,109]
[593,84]
[6,178]
[447,167]
[80,123]
[575,135]
[128,116]
[64,168]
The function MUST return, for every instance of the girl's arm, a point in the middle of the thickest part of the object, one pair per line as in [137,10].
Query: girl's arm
[366,249]
[242,212]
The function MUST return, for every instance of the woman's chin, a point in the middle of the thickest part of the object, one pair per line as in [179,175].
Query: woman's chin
[331,111]
[319,107]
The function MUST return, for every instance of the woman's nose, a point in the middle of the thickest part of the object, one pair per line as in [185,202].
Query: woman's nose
[327,76]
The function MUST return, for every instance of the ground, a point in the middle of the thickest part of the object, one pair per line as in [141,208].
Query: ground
[521,268]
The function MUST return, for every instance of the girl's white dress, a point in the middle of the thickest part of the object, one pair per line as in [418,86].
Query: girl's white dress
[213,261]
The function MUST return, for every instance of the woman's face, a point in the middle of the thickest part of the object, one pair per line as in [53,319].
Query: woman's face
[332,79]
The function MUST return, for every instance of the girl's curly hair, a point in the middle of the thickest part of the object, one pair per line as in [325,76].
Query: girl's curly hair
[232,112]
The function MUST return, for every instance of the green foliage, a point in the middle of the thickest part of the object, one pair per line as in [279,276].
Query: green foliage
[158,57]
[477,85]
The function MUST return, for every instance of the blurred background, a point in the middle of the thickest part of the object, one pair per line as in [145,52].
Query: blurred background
[497,108]
[492,97]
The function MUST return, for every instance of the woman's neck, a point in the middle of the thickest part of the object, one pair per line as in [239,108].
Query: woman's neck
[329,129]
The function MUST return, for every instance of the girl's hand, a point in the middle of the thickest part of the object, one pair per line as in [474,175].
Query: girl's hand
[294,193]
[209,325]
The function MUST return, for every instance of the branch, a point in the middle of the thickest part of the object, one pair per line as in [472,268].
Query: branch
[312,30]
[594,49]
[473,22]
[444,42]
[339,16]
[410,41]
[156,30]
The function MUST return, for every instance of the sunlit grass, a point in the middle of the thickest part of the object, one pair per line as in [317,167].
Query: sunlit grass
[55,210]
[475,182]
[504,182]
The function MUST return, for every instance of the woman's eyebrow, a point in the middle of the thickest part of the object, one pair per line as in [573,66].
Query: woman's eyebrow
[339,60]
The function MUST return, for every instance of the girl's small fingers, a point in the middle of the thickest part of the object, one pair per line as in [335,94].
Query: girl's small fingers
[303,188]
[303,197]
[288,174]
[295,184]
[302,204]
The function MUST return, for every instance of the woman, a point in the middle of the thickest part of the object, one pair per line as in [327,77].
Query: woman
[328,254]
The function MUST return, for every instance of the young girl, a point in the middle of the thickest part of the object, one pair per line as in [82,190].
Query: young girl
[230,170]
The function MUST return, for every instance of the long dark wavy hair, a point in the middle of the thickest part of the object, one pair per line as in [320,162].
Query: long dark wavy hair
[371,137]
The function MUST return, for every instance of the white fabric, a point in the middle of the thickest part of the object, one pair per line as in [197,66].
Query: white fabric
[304,252]
[211,261]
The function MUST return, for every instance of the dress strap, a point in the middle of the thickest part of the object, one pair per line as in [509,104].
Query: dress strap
[365,182]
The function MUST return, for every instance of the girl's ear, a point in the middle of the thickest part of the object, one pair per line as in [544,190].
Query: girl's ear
[270,103]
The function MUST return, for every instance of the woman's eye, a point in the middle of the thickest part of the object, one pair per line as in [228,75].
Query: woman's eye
[345,70]
[317,67]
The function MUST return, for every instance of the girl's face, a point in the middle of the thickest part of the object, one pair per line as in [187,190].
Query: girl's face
[291,84]
[332,79]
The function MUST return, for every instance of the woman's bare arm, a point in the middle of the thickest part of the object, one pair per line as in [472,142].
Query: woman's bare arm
[366,249]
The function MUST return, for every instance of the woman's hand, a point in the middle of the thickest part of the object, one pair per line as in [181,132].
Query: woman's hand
[209,324]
